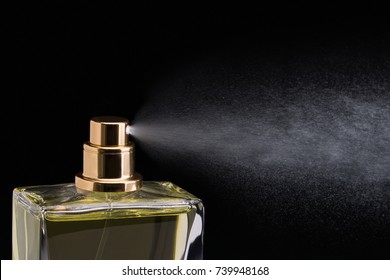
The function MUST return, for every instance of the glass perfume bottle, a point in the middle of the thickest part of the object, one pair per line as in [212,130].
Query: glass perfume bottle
[109,212]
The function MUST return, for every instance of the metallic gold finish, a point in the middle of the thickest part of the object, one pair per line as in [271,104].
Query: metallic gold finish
[108,158]
[108,131]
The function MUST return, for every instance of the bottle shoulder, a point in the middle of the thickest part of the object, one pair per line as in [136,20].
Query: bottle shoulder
[65,198]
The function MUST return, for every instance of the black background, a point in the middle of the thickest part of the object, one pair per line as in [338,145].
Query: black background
[70,63]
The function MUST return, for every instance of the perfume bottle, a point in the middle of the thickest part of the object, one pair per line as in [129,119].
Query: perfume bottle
[109,212]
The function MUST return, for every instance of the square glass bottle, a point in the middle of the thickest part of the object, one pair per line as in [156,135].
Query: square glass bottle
[108,213]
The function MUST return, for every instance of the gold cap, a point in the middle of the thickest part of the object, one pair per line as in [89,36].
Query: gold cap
[108,158]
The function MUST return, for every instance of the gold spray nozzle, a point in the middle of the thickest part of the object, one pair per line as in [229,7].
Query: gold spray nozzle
[108,131]
[108,158]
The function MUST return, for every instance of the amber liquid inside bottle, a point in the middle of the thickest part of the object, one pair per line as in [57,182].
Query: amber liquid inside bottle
[161,221]
[135,238]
